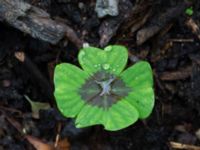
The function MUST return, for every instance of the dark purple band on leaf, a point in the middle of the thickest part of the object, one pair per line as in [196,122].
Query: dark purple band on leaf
[103,90]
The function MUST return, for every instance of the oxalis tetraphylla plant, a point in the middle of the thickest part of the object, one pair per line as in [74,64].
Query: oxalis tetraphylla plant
[101,92]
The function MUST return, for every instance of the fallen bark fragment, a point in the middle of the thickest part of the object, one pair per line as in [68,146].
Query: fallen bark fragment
[35,21]
[140,22]
[141,12]
[139,15]
[159,22]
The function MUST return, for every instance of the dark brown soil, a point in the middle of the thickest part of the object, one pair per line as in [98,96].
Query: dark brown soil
[173,51]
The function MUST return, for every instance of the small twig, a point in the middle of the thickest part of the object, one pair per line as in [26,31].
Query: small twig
[72,36]
[58,135]
[15,124]
[177,145]
[11,110]
[181,40]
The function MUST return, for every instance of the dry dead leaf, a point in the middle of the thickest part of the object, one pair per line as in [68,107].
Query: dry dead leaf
[38,144]
[63,144]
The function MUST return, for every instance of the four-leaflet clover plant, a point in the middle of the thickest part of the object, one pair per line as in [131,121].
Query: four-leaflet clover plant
[101,92]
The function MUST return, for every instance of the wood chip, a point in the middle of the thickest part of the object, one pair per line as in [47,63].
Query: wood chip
[192,25]
[110,26]
[181,74]
[20,56]
[159,22]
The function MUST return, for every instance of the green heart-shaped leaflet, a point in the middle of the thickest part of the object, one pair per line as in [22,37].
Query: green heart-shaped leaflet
[113,59]
[138,103]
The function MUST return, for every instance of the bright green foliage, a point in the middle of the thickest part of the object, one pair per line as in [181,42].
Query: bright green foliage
[189,11]
[102,93]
